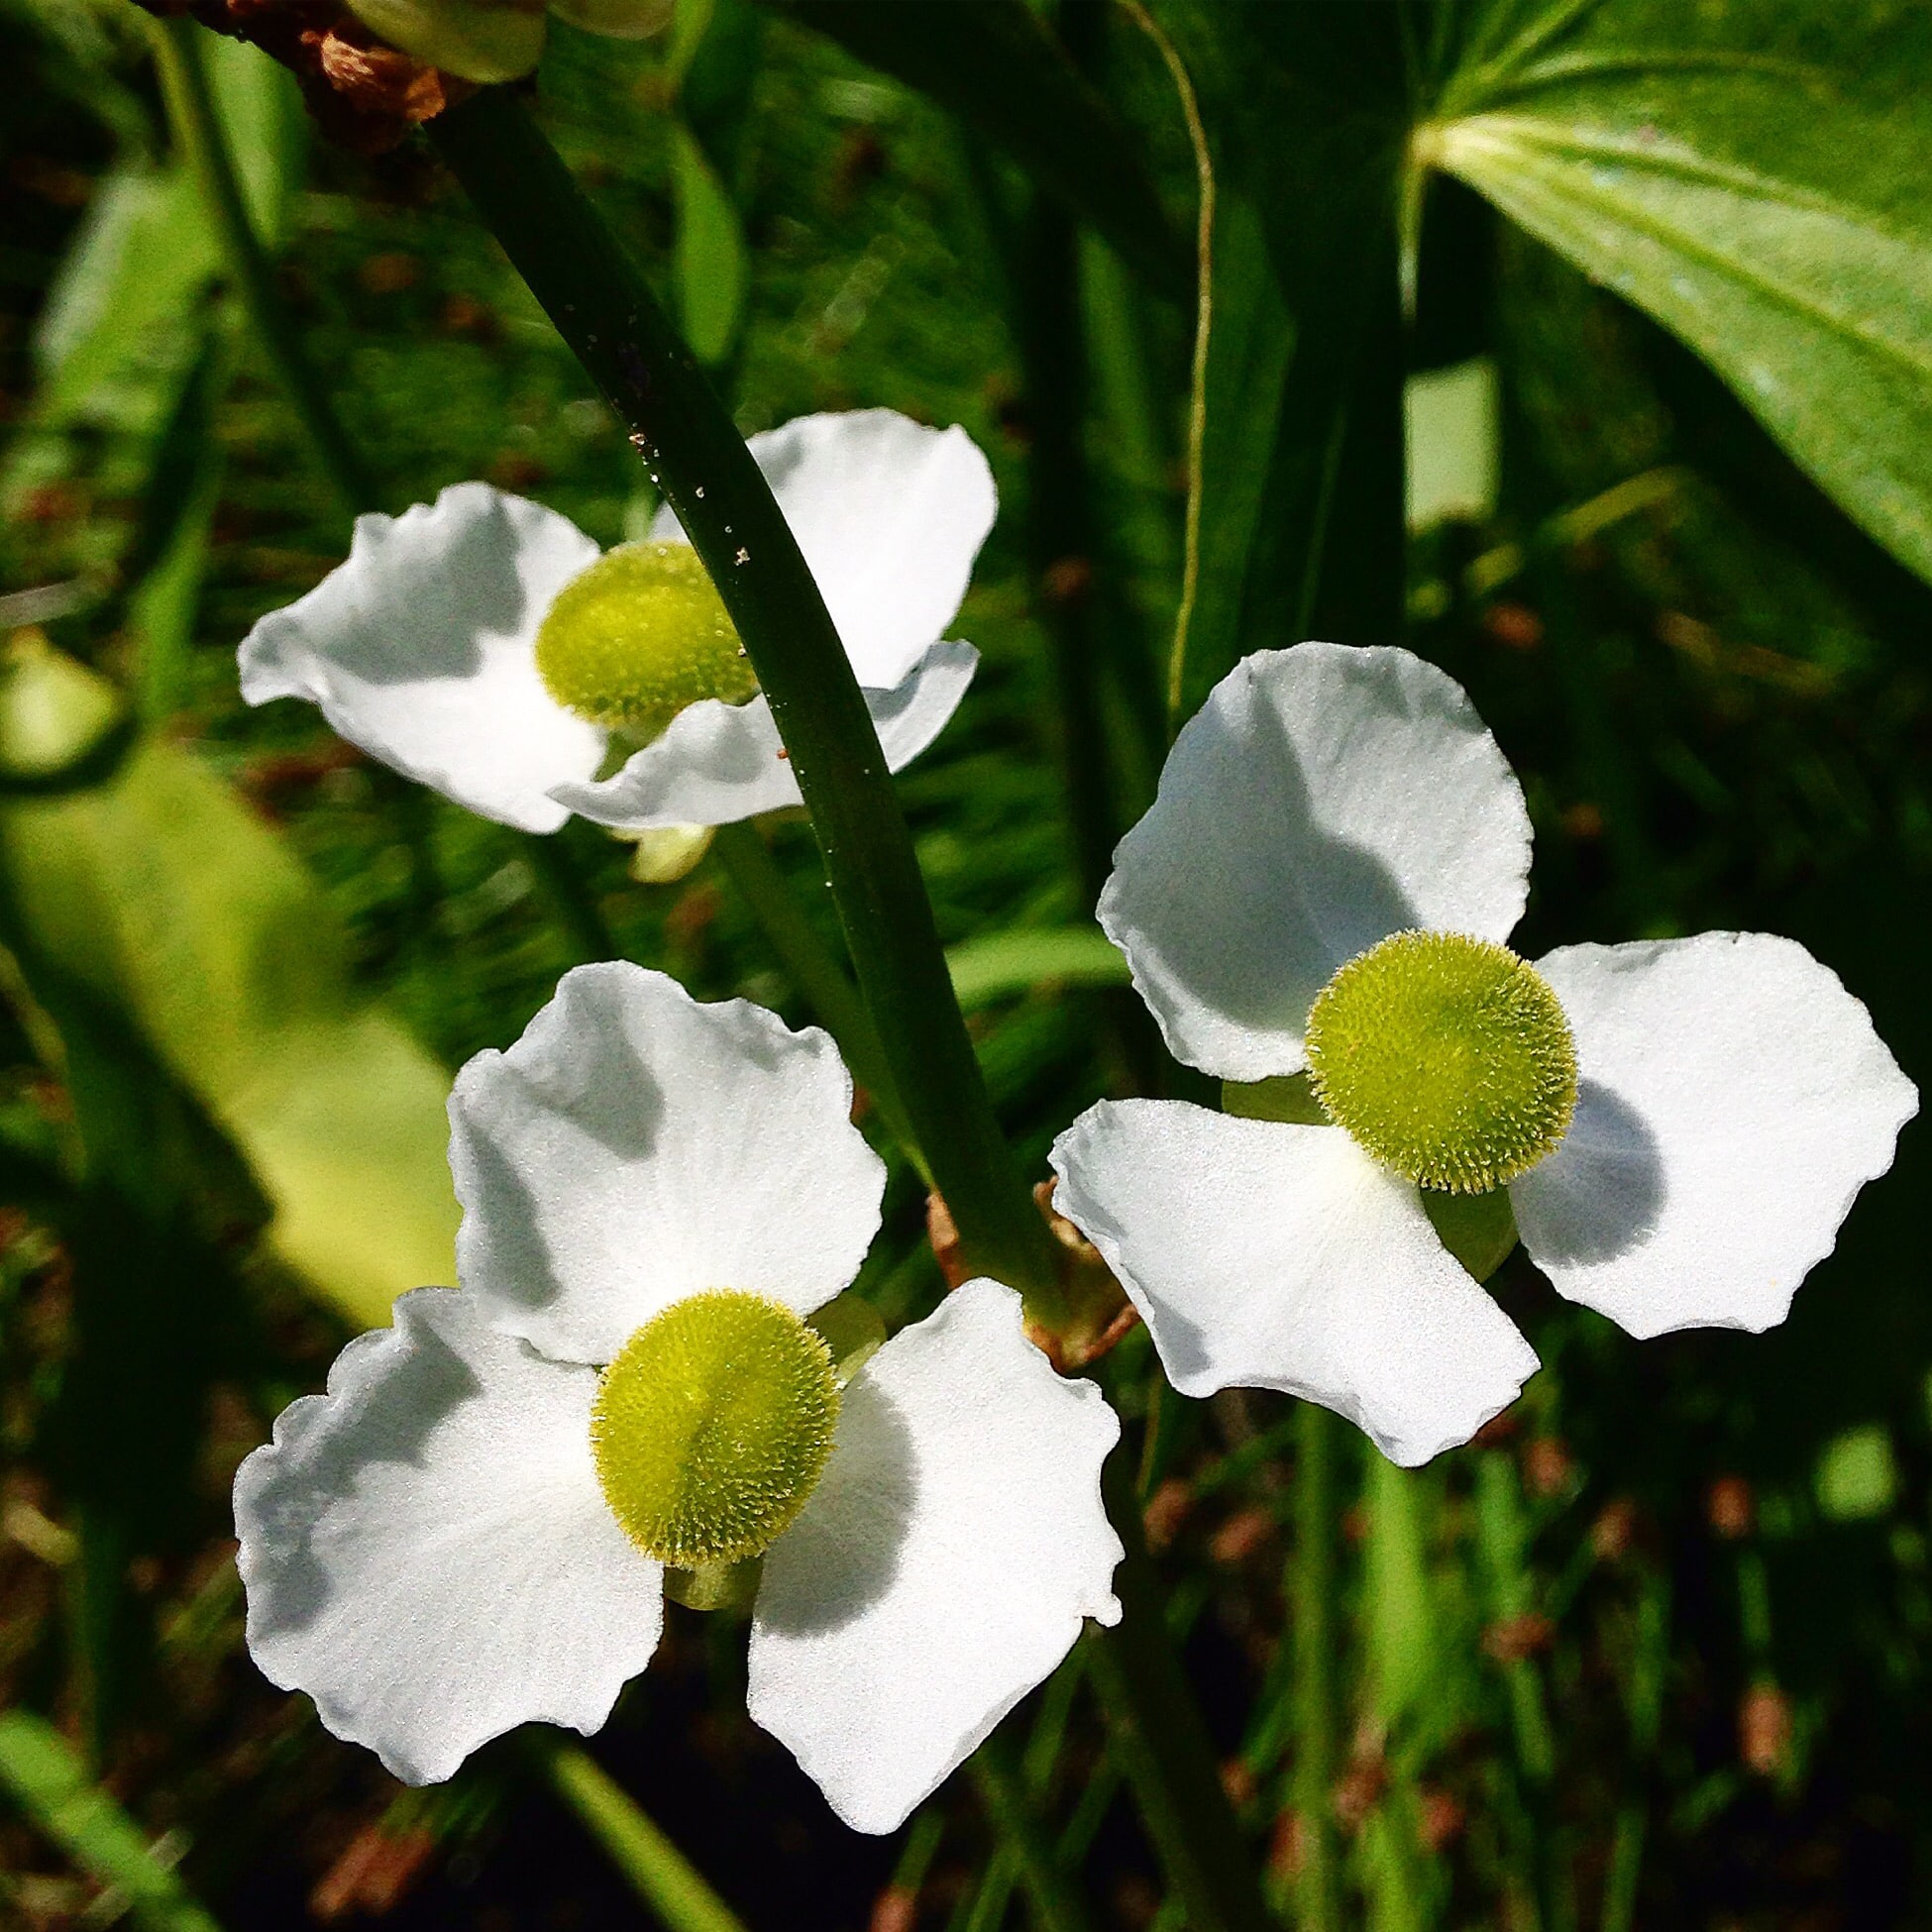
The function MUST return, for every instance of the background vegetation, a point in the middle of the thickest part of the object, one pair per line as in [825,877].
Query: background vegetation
[1654,1650]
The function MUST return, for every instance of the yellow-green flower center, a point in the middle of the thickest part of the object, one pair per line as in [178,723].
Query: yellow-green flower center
[1448,1059]
[637,637]
[712,1426]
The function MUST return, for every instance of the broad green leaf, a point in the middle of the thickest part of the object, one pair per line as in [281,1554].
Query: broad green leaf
[44,1776]
[122,322]
[167,900]
[1748,172]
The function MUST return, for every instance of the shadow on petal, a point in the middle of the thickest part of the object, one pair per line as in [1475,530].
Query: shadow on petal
[1248,901]
[842,1554]
[1601,1194]
[321,1458]
[444,606]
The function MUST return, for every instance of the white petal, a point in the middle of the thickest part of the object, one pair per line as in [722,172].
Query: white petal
[421,649]
[1734,1100]
[426,1549]
[943,1567]
[717,763]
[890,515]
[1263,1256]
[634,1148]
[1321,800]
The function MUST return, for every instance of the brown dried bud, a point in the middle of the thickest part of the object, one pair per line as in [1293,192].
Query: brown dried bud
[1516,1638]
[374,1873]
[1731,1508]
[1548,1467]
[1244,1533]
[1165,1512]
[1442,1822]
[896,1909]
[1765,1730]
[1613,1530]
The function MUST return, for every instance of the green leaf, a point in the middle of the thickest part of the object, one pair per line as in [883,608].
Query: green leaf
[1749,172]
[1857,1475]
[167,900]
[1300,472]
[46,1778]
[712,263]
[1003,963]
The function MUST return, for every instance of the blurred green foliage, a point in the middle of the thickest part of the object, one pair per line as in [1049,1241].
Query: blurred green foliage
[1654,1651]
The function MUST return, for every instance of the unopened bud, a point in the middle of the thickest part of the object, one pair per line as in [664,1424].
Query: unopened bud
[480,39]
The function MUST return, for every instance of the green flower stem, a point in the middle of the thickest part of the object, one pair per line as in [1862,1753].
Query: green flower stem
[1160,1743]
[198,127]
[660,1873]
[571,898]
[1311,1598]
[820,979]
[605,312]
[1010,1805]
[984,1909]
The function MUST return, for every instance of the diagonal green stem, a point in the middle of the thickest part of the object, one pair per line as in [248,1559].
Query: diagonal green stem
[1058,1908]
[1311,1591]
[198,127]
[674,1889]
[607,313]
[1161,1744]
[818,975]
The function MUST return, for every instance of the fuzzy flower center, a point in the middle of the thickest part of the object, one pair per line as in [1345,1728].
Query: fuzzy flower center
[637,637]
[1448,1059]
[713,1426]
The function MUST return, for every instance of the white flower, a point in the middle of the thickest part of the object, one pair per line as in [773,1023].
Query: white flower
[433,1548]
[422,648]
[1680,1125]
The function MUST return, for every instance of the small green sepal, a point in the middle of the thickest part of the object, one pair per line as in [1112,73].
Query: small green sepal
[1480,1230]
[852,1329]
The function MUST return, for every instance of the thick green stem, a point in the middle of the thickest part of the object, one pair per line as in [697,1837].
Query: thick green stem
[609,316]
[1162,1746]
[1311,1598]
[198,127]
[819,977]
[667,1883]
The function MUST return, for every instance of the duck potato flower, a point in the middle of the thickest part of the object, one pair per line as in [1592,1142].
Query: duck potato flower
[484,646]
[1315,908]
[476,1524]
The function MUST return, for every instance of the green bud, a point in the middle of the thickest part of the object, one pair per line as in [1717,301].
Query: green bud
[625,20]
[712,1426]
[1448,1058]
[480,39]
[639,636]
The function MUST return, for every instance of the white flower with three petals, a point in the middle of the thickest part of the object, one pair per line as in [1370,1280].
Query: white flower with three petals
[1716,1103]
[423,647]
[433,1549]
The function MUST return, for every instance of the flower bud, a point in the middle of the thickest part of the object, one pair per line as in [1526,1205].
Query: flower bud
[480,39]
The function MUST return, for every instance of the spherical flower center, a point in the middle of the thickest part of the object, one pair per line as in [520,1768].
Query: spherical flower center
[638,636]
[713,1426]
[1448,1058]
